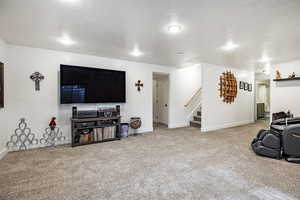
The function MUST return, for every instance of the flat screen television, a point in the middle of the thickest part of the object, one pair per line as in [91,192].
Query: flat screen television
[91,85]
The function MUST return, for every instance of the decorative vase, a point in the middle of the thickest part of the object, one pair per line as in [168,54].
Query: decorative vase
[135,123]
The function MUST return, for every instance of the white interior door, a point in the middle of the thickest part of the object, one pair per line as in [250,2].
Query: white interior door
[155,102]
[163,100]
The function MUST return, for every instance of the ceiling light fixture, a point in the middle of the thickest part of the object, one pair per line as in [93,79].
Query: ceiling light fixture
[174,28]
[265,59]
[266,71]
[229,46]
[66,40]
[136,52]
[69,1]
[267,68]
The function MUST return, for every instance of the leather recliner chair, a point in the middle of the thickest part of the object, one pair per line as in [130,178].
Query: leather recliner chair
[267,143]
[291,143]
[282,140]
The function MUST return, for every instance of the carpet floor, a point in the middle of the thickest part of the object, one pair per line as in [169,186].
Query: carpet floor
[167,164]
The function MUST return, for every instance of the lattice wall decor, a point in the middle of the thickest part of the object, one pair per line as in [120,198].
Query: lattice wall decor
[52,136]
[22,138]
[228,87]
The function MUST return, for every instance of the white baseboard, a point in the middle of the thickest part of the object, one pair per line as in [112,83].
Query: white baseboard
[226,125]
[178,125]
[145,130]
[3,152]
[68,141]
[30,147]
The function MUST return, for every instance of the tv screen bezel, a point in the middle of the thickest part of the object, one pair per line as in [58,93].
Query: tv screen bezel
[91,68]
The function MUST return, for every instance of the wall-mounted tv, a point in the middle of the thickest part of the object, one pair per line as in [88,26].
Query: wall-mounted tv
[91,85]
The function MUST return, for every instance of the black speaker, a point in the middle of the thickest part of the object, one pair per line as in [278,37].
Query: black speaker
[74,112]
[118,109]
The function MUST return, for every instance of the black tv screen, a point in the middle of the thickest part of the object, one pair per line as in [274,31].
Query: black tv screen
[91,85]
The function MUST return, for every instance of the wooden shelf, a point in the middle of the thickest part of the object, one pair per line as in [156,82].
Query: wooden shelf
[287,79]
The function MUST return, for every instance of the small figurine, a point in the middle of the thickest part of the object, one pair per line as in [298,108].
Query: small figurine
[278,75]
[293,75]
[52,123]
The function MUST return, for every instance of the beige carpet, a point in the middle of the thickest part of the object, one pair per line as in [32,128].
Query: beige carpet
[168,164]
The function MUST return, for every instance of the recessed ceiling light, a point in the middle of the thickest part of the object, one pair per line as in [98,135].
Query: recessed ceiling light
[265,59]
[66,40]
[229,46]
[266,71]
[136,52]
[69,1]
[174,28]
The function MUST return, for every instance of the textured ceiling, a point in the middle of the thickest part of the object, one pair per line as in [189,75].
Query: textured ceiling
[112,28]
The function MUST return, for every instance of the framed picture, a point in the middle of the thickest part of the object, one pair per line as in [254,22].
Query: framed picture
[241,85]
[250,87]
[246,86]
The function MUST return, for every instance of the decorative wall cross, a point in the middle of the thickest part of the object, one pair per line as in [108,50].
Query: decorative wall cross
[139,84]
[37,77]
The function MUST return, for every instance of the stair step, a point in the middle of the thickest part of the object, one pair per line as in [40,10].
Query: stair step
[197,118]
[199,113]
[196,124]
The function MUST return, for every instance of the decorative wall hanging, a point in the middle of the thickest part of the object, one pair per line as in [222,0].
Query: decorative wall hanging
[52,134]
[250,87]
[139,84]
[22,138]
[37,77]
[246,86]
[242,85]
[228,87]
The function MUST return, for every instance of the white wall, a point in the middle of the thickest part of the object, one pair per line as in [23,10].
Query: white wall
[285,95]
[183,85]
[215,113]
[2,110]
[38,107]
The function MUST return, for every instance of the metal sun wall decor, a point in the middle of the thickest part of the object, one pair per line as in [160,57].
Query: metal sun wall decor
[52,134]
[37,77]
[228,87]
[22,138]
[139,84]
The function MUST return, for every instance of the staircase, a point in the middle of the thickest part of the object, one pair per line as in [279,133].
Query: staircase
[193,107]
[196,122]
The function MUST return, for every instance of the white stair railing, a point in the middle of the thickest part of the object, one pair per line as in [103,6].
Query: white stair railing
[193,105]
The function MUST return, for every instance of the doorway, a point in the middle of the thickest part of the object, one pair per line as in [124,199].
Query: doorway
[160,100]
[262,98]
